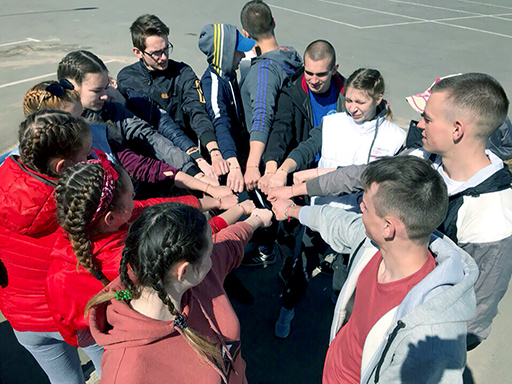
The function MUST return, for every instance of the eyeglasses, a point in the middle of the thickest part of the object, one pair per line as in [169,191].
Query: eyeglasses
[56,89]
[158,54]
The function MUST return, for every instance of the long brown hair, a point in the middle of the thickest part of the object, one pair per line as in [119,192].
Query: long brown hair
[78,195]
[162,236]
[46,135]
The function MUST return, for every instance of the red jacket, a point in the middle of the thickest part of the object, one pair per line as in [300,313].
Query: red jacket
[139,349]
[28,225]
[69,289]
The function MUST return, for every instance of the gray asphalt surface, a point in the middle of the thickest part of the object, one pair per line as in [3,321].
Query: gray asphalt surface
[411,43]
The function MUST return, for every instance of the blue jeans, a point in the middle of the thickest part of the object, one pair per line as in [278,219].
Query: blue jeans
[57,358]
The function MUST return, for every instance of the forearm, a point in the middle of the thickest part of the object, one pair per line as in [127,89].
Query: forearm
[270,167]
[288,166]
[232,215]
[183,180]
[255,153]
[207,203]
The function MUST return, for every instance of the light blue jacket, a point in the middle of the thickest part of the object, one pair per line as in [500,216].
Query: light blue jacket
[424,338]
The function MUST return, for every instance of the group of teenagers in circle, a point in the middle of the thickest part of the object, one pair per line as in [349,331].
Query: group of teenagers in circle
[130,201]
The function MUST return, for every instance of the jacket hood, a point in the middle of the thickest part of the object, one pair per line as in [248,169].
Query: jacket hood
[447,292]
[286,57]
[125,328]
[219,42]
[27,205]
[445,296]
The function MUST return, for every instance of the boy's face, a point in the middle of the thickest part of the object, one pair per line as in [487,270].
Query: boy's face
[156,54]
[437,128]
[318,74]
[237,58]
[373,223]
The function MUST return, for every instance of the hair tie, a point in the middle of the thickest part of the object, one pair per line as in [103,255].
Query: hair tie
[180,322]
[109,178]
[123,295]
[98,275]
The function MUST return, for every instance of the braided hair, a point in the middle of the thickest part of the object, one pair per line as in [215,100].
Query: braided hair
[78,194]
[46,135]
[33,100]
[77,64]
[162,236]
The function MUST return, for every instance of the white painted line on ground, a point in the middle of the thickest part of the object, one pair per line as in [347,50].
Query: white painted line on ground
[26,80]
[474,29]
[374,10]
[40,77]
[28,39]
[479,3]
[449,9]
[434,20]
[315,16]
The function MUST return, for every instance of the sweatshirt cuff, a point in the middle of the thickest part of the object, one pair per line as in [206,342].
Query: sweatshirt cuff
[303,215]
[313,187]
[191,170]
[229,154]
[259,136]
[196,155]
[207,137]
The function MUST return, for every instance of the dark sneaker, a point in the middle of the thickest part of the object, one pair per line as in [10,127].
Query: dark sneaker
[283,323]
[257,258]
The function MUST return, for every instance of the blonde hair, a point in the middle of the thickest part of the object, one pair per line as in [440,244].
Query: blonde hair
[38,98]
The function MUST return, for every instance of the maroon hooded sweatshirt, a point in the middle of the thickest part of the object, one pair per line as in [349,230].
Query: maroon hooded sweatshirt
[139,349]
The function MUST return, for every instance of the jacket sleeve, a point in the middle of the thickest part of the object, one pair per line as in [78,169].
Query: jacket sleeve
[140,133]
[141,205]
[141,167]
[306,151]
[229,246]
[217,102]
[263,85]
[282,130]
[217,223]
[342,230]
[343,180]
[494,260]
[142,106]
[194,106]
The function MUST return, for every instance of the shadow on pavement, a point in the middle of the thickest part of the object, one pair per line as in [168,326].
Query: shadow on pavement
[17,366]
[299,358]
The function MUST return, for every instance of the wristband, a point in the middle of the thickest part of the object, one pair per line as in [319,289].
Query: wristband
[252,166]
[220,202]
[293,195]
[259,218]
[213,149]
[207,186]
[317,173]
[281,169]
[243,209]
[286,211]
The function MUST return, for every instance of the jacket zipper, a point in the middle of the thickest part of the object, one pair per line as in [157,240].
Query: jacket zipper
[399,325]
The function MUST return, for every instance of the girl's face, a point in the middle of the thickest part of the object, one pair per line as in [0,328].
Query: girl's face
[360,105]
[93,90]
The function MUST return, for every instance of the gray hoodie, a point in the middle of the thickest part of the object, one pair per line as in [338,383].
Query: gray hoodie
[424,338]
[266,77]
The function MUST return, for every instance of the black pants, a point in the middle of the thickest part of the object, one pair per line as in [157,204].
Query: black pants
[298,272]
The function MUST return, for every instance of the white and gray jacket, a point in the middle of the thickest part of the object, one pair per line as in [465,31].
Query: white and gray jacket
[424,338]
[479,220]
